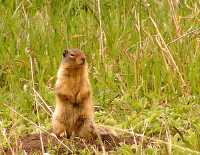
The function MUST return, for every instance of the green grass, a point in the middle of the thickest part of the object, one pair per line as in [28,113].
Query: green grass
[134,88]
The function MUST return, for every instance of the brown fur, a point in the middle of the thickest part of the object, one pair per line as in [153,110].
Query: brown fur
[73,113]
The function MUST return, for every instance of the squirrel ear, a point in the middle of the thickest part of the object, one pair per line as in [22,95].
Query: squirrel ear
[65,52]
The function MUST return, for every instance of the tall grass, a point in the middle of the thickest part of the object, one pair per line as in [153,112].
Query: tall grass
[134,86]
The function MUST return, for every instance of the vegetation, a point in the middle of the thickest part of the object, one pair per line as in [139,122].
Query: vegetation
[144,62]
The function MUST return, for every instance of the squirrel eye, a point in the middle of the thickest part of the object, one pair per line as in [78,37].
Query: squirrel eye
[72,55]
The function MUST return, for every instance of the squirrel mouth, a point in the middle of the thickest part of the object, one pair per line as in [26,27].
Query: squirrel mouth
[81,62]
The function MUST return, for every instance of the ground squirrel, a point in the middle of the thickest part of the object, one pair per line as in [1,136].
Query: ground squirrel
[73,113]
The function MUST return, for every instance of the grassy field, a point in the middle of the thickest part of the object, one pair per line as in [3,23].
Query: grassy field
[144,61]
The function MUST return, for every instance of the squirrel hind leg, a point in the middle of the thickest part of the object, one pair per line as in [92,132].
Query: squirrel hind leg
[85,128]
[59,129]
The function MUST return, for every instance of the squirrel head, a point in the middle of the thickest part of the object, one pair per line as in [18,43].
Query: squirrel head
[73,58]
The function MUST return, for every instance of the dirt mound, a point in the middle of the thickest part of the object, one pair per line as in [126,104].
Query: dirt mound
[106,141]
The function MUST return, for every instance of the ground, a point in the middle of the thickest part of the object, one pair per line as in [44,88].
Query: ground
[144,64]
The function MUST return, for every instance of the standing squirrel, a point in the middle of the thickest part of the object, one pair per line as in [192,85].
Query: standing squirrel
[73,114]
